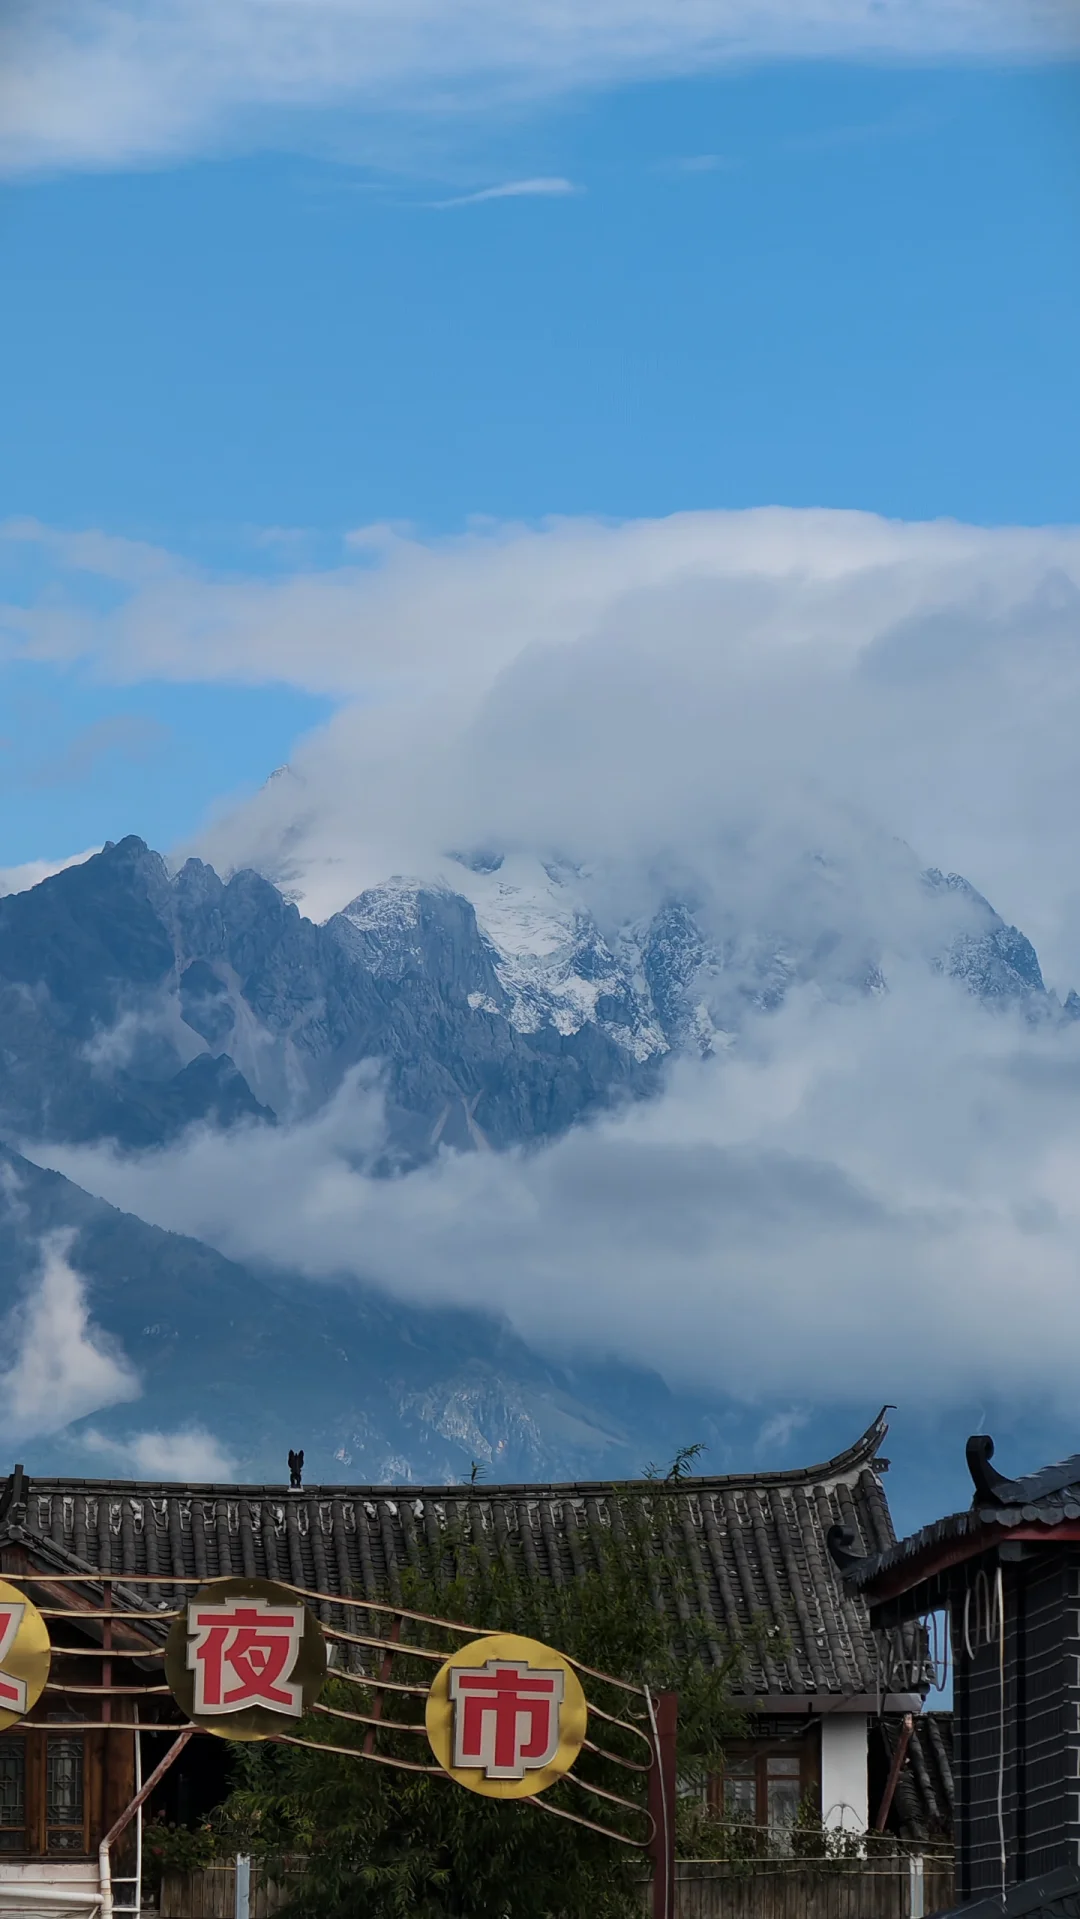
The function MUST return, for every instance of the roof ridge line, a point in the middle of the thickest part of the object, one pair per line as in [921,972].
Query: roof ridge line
[860,1453]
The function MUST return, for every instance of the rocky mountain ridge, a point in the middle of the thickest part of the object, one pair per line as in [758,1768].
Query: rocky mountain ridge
[496,1005]
[134,1002]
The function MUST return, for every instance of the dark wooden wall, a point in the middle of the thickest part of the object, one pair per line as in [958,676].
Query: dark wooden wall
[1031,1727]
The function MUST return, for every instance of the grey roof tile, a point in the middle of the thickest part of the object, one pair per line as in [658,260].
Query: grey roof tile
[741,1552]
[923,1804]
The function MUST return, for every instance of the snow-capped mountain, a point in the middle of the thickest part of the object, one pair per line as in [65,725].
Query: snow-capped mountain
[495,1003]
[551,966]
[499,1002]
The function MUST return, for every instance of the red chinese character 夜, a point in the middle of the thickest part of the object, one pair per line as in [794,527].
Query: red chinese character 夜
[506,1717]
[12,1690]
[243,1652]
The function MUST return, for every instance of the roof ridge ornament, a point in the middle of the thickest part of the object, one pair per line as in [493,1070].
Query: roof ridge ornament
[985,1478]
[863,1453]
[14,1495]
[839,1541]
[991,1488]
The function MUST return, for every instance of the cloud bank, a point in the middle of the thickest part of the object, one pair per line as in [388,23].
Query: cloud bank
[104,83]
[190,1454]
[18,879]
[875,1198]
[785,715]
[63,1366]
[634,690]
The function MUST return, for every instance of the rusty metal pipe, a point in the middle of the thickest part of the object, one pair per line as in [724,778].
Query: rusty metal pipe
[128,1814]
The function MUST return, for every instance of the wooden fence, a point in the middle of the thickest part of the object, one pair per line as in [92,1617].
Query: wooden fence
[211,1894]
[887,1889]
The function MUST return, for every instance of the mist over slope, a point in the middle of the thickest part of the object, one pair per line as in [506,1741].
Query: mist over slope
[145,1353]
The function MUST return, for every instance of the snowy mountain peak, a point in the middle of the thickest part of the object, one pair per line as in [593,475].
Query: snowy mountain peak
[552,961]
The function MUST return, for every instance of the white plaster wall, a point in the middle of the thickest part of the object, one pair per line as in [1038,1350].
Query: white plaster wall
[49,1889]
[843,1771]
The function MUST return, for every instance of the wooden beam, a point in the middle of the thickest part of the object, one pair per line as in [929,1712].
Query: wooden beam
[895,1770]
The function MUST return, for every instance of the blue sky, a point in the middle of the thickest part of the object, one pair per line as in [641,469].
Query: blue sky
[279,272]
[841,283]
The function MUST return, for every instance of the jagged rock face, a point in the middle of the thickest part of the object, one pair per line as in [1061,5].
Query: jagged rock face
[994,961]
[672,955]
[133,1003]
[118,986]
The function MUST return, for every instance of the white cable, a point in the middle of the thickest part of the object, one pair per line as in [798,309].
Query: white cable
[138,1815]
[942,1651]
[989,1612]
[663,1800]
[938,1642]
[1000,1595]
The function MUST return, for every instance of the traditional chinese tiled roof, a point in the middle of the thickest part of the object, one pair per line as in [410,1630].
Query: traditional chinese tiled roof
[746,1552]
[1047,1498]
[923,1805]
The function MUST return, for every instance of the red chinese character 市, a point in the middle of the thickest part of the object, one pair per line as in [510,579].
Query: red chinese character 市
[12,1690]
[506,1717]
[242,1652]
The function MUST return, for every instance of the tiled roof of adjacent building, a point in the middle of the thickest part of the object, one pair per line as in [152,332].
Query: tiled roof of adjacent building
[1046,1498]
[923,1805]
[746,1552]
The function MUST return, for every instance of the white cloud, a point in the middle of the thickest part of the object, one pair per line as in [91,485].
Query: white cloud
[190,1453]
[19,879]
[115,82]
[863,1193]
[63,1366]
[597,687]
[780,1428]
[873,1198]
[544,187]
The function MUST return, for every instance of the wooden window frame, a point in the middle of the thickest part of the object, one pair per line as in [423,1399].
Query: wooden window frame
[758,1752]
[35,1739]
[67,1828]
[17,1852]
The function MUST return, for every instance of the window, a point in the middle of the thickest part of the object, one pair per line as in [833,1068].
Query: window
[764,1787]
[63,1794]
[12,1795]
[783,1797]
[740,1793]
[42,1793]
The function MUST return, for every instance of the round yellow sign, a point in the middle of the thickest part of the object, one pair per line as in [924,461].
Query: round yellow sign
[246,1659]
[506,1716]
[24,1655]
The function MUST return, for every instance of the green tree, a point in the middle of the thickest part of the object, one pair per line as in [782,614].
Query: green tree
[378,1843]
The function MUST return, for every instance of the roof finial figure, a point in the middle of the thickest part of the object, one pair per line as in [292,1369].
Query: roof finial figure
[296,1469]
[839,1540]
[985,1478]
[13,1495]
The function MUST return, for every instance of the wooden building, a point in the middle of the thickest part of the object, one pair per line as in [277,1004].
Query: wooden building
[1007,1574]
[746,1554]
